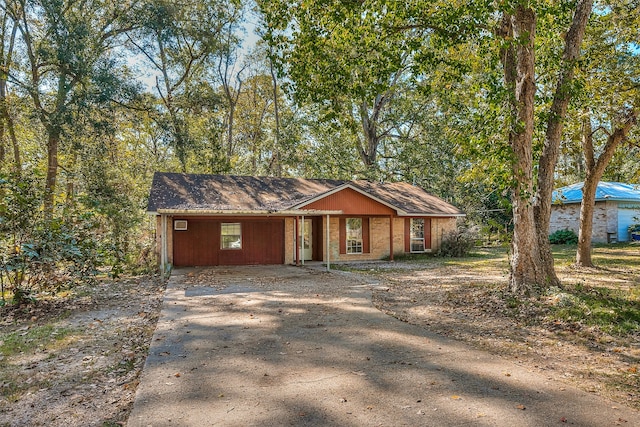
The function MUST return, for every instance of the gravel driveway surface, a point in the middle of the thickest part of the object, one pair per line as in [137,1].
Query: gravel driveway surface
[282,345]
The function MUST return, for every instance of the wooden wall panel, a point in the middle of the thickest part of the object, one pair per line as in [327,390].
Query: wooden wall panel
[262,243]
[197,246]
[407,235]
[350,202]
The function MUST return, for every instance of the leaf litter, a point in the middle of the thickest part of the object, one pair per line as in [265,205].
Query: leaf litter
[84,371]
[475,308]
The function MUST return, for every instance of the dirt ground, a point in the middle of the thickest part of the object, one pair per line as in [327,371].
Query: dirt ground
[471,306]
[89,376]
[81,355]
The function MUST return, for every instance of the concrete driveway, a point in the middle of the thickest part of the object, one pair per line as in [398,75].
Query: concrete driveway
[279,346]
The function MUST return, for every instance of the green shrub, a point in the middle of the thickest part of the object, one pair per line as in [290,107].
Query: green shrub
[563,237]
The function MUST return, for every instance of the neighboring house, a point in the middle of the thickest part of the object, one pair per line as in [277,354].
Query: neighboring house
[234,220]
[616,207]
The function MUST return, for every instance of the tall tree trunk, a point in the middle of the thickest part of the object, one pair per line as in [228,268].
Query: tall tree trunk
[231,93]
[53,142]
[6,120]
[167,98]
[595,170]
[276,160]
[585,231]
[525,256]
[369,151]
[17,157]
[519,74]
[553,136]
[370,130]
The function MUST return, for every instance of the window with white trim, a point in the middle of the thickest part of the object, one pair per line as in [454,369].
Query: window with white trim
[230,235]
[417,235]
[354,235]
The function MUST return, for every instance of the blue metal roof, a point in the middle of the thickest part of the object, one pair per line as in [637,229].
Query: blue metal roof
[615,191]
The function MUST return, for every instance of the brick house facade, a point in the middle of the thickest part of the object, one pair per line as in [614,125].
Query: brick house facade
[224,220]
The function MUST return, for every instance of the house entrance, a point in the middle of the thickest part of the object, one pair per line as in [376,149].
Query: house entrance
[307,240]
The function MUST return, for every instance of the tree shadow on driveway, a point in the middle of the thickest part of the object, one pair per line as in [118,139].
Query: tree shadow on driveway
[275,346]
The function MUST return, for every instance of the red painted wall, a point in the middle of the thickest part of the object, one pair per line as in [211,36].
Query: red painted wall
[199,245]
[351,203]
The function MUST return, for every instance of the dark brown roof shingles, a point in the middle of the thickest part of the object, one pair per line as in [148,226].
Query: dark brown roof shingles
[177,191]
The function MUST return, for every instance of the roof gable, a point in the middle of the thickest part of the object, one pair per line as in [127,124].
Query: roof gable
[228,193]
[614,191]
[349,201]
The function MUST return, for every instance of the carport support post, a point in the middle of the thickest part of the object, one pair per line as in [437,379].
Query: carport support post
[302,239]
[295,239]
[391,237]
[328,244]
[163,245]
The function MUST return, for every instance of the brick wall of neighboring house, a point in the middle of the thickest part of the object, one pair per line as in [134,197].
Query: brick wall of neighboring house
[605,219]
[379,241]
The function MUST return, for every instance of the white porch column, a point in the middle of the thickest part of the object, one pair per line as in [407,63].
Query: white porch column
[296,243]
[328,244]
[391,237]
[302,240]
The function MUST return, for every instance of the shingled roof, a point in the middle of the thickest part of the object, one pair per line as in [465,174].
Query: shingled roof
[173,192]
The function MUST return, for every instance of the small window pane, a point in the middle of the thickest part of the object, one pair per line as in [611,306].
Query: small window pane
[231,235]
[417,246]
[417,234]
[417,228]
[354,235]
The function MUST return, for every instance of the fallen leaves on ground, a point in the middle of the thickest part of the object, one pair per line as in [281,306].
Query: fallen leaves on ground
[475,308]
[89,376]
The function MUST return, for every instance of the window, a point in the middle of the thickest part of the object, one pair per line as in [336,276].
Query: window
[230,235]
[417,234]
[354,235]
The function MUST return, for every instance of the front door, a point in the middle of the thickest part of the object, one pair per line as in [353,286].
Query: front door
[307,240]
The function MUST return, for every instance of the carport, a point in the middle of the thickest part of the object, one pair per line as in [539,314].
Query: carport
[195,237]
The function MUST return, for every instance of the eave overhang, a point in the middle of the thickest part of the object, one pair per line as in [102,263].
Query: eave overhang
[432,215]
[221,212]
